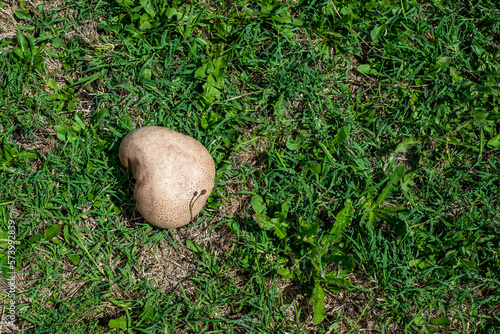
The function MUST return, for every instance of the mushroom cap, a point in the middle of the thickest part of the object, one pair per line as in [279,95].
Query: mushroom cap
[174,174]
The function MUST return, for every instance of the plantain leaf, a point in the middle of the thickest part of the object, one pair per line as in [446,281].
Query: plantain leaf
[342,220]
[279,229]
[307,231]
[318,303]
[335,284]
[264,221]
[120,323]
[194,247]
[75,259]
[285,273]
[418,320]
[145,74]
[258,205]
[267,224]
[494,142]
[34,239]
[341,136]
[23,14]
[51,231]
[147,314]
[398,225]
[23,43]
[201,72]
[395,177]
[405,145]
[52,84]
[376,33]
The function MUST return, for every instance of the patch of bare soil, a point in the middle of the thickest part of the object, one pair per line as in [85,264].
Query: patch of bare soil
[8,21]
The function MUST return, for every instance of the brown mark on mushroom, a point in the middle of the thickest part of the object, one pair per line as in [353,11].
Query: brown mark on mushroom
[174,174]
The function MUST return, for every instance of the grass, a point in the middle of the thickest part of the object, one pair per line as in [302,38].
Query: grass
[357,154]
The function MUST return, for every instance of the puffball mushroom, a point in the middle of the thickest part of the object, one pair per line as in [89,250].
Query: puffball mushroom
[174,174]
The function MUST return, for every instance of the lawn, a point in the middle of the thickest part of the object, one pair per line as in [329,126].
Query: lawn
[357,154]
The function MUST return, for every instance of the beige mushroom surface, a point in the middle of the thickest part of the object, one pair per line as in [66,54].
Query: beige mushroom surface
[174,174]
